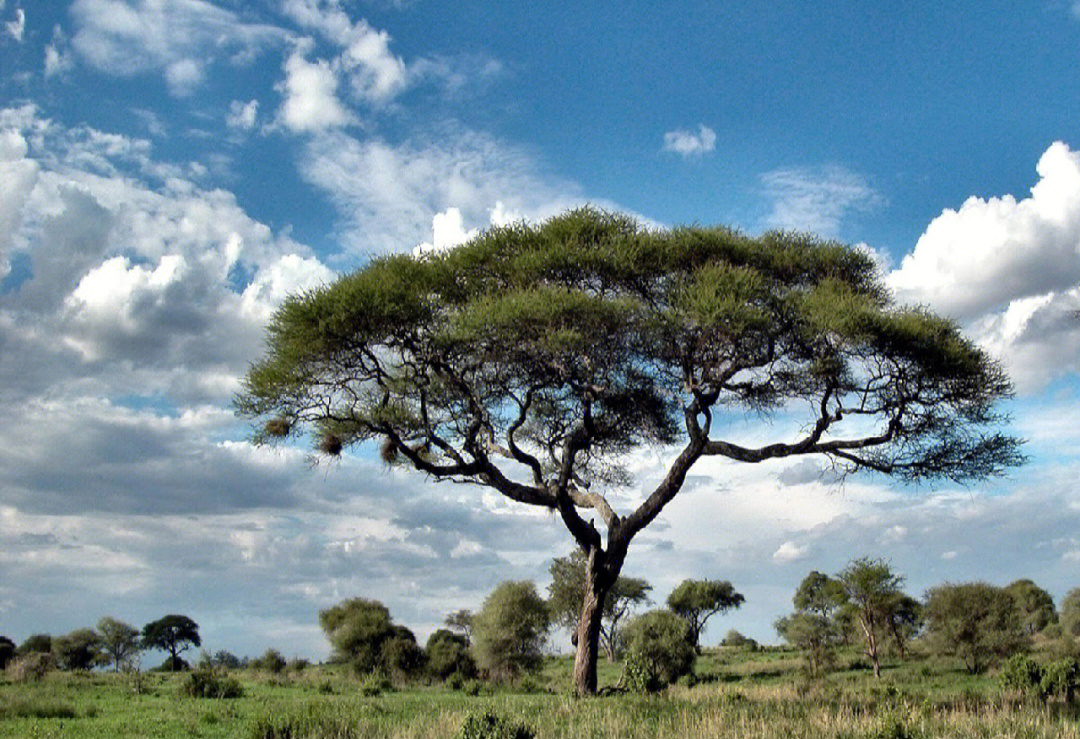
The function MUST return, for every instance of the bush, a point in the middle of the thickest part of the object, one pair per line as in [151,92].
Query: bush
[638,675]
[272,661]
[1022,674]
[375,684]
[298,664]
[206,682]
[401,657]
[509,630]
[173,665]
[31,667]
[736,639]
[1061,678]
[492,726]
[448,655]
[664,641]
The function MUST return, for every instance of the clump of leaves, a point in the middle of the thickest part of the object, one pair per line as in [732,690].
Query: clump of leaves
[492,726]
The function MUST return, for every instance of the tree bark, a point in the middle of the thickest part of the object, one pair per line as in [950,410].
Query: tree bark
[597,584]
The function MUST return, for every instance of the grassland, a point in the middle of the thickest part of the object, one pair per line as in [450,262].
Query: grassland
[735,694]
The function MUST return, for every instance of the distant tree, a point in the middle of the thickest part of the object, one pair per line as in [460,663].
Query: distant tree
[462,620]
[119,641]
[400,656]
[357,629]
[1035,605]
[739,640]
[79,650]
[818,593]
[665,641]
[975,621]
[225,660]
[510,629]
[448,654]
[903,619]
[814,634]
[699,600]
[173,634]
[874,590]
[271,661]
[7,652]
[567,592]
[36,644]
[565,346]
[1070,612]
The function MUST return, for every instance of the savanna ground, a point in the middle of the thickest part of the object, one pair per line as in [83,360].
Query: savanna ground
[736,694]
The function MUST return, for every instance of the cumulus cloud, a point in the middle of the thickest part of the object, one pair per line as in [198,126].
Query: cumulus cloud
[58,59]
[179,38]
[310,90]
[1010,269]
[447,232]
[817,200]
[690,144]
[17,27]
[18,175]
[789,551]
[242,115]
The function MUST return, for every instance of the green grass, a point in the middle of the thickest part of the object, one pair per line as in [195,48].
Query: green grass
[736,694]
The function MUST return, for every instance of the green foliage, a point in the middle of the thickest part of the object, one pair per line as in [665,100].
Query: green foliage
[1022,674]
[975,621]
[357,629]
[207,682]
[31,666]
[739,640]
[39,643]
[873,590]
[374,684]
[401,657]
[448,654]
[816,635]
[510,629]
[1070,612]
[638,674]
[489,725]
[1061,678]
[1035,606]
[79,650]
[821,594]
[119,641]
[174,634]
[462,621]
[271,661]
[665,641]
[697,601]
[38,707]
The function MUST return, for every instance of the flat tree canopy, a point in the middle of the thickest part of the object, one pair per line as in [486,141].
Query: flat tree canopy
[532,359]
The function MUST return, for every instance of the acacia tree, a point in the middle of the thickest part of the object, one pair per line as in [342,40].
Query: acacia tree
[462,620]
[567,591]
[119,641]
[533,358]
[873,590]
[1035,605]
[173,634]
[697,601]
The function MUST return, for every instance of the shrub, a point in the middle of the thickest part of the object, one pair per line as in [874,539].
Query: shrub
[492,726]
[31,667]
[401,657]
[375,684]
[736,639]
[179,664]
[509,630]
[206,682]
[638,674]
[447,655]
[665,641]
[272,661]
[1022,674]
[298,664]
[1061,678]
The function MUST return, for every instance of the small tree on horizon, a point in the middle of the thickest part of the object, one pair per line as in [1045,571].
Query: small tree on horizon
[534,359]
[873,590]
[461,621]
[119,641]
[975,621]
[697,601]
[509,630]
[174,634]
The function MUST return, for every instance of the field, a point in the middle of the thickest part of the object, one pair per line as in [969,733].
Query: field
[735,694]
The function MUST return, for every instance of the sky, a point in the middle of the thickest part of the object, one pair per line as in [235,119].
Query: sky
[170,170]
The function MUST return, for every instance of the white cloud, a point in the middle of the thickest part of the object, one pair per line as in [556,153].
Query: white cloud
[789,551]
[690,144]
[310,89]
[178,38]
[17,27]
[387,195]
[374,72]
[18,175]
[58,57]
[447,232]
[242,115]
[1010,269]
[816,199]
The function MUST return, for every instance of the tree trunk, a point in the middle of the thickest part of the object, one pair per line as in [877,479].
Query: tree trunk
[597,584]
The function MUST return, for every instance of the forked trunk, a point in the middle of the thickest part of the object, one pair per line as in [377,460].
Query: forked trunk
[588,629]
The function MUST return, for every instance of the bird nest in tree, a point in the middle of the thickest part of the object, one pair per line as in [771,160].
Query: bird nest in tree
[331,445]
[278,427]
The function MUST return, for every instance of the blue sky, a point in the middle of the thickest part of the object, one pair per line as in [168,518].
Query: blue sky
[170,169]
